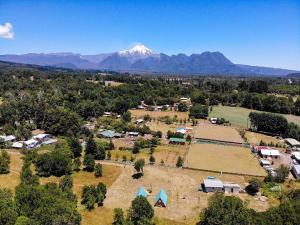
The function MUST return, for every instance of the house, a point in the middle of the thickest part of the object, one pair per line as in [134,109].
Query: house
[161,199]
[17,144]
[184,99]
[181,130]
[212,184]
[265,153]
[41,137]
[141,192]
[109,134]
[174,140]
[296,171]
[264,162]
[133,134]
[232,188]
[293,143]
[31,143]
[138,121]
[8,138]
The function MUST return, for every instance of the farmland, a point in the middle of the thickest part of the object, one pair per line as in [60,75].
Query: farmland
[238,116]
[156,114]
[216,132]
[223,158]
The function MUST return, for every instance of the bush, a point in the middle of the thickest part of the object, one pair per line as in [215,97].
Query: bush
[253,186]
[98,170]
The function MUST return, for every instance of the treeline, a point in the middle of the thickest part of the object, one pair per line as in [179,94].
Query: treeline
[230,210]
[274,124]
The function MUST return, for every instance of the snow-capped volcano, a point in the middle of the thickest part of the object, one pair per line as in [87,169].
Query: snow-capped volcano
[137,50]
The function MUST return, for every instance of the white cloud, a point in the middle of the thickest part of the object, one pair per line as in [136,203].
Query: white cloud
[6,31]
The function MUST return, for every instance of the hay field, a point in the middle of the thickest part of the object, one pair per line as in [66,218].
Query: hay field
[254,138]
[238,116]
[137,113]
[217,132]
[224,159]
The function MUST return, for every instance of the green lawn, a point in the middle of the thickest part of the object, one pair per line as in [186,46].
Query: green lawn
[238,116]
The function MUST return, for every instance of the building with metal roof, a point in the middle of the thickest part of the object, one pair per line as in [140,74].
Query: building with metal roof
[174,140]
[141,192]
[213,185]
[292,142]
[161,198]
[296,171]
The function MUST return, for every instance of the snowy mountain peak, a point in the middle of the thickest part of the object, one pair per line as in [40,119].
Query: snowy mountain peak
[138,49]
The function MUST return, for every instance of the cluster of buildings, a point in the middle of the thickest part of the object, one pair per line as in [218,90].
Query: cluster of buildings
[183,131]
[185,100]
[161,198]
[33,142]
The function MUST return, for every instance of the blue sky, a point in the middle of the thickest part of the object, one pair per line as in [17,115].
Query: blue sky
[264,32]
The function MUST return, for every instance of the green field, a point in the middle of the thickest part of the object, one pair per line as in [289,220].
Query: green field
[238,116]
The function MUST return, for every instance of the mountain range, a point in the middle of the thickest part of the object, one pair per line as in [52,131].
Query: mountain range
[142,59]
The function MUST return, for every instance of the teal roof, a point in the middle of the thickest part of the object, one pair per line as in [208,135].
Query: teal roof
[141,192]
[177,139]
[107,133]
[162,195]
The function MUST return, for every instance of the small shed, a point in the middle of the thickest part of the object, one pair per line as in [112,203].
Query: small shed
[161,198]
[41,137]
[174,140]
[133,134]
[232,188]
[141,192]
[296,171]
[213,185]
[31,143]
[8,138]
[17,144]
[138,121]
[264,162]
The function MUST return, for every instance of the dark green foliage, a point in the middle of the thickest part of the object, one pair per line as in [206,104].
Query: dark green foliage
[100,152]
[26,176]
[57,163]
[108,156]
[8,209]
[182,107]
[91,146]
[141,212]
[199,111]
[75,147]
[179,162]
[4,162]
[98,170]
[77,164]
[127,117]
[139,165]
[171,134]
[152,159]
[66,183]
[281,173]
[119,217]
[92,195]
[189,138]
[89,162]
[253,186]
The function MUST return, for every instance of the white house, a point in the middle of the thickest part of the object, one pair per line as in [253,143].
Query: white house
[31,143]
[133,134]
[213,185]
[296,171]
[17,144]
[8,138]
[273,153]
[232,188]
[41,137]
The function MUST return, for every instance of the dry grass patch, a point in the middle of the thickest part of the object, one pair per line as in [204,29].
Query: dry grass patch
[12,179]
[136,113]
[224,159]
[255,138]
[110,83]
[217,132]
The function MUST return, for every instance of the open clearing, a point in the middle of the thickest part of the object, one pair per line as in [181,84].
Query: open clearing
[137,113]
[11,180]
[254,138]
[217,132]
[184,200]
[224,159]
[238,116]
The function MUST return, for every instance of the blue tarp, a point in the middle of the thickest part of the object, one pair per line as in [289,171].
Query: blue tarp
[141,192]
[162,195]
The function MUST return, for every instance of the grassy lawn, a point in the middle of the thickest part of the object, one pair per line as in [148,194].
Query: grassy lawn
[238,116]
[156,114]
[224,159]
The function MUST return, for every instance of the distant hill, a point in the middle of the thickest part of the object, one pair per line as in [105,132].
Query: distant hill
[294,75]
[142,59]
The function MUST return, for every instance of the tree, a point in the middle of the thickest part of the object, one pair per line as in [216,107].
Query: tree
[118,217]
[182,107]
[89,162]
[26,176]
[77,164]
[189,138]
[8,209]
[179,162]
[66,183]
[98,170]
[91,146]
[100,152]
[126,117]
[152,159]
[4,162]
[199,111]
[88,197]
[141,211]
[253,187]
[139,165]
[281,173]
[75,147]
[108,155]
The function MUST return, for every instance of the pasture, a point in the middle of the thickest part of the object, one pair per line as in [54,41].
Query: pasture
[238,116]
[223,158]
[217,132]
[254,138]
[137,113]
